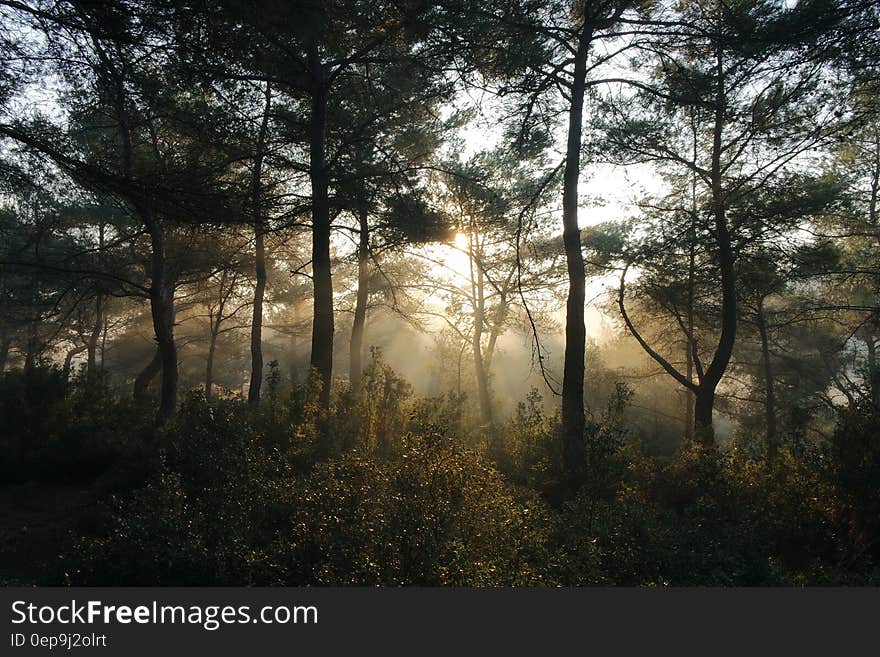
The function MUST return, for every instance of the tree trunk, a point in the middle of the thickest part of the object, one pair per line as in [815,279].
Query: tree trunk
[497,325]
[769,386]
[146,375]
[478,299]
[294,342]
[104,341]
[216,321]
[356,346]
[482,378]
[68,360]
[5,343]
[322,322]
[688,394]
[161,287]
[575,330]
[209,366]
[874,194]
[690,346]
[704,402]
[33,346]
[92,344]
[256,382]
[874,220]
[721,358]
[498,321]
[162,309]
[873,368]
[94,336]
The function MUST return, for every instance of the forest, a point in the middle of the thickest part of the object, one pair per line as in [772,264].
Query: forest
[440,292]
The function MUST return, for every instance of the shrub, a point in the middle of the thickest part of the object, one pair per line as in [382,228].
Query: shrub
[853,457]
[389,489]
[55,429]
[226,508]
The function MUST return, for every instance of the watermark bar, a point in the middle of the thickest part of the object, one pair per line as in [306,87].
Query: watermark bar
[331,621]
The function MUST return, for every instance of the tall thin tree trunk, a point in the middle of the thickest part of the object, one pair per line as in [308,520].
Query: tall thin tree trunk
[322,322]
[873,367]
[162,309]
[874,221]
[5,343]
[104,340]
[356,347]
[65,369]
[209,365]
[497,325]
[573,420]
[692,258]
[715,371]
[92,344]
[874,194]
[483,394]
[294,342]
[256,381]
[216,321]
[94,336]
[498,320]
[146,375]
[460,358]
[68,360]
[161,286]
[32,348]
[688,393]
[769,385]
[478,300]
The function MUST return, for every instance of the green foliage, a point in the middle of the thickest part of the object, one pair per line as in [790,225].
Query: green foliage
[533,451]
[229,494]
[224,508]
[208,515]
[381,408]
[712,519]
[853,455]
[532,448]
[432,515]
[57,429]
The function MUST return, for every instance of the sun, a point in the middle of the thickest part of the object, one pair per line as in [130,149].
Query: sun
[461,241]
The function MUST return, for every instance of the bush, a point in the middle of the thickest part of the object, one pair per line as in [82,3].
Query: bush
[853,457]
[226,508]
[54,429]
[217,501]
[387,489]
[433,515]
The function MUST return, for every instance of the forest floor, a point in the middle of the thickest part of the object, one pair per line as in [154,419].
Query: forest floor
[35,520]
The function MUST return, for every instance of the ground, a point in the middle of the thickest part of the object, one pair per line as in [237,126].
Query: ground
[35,518]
